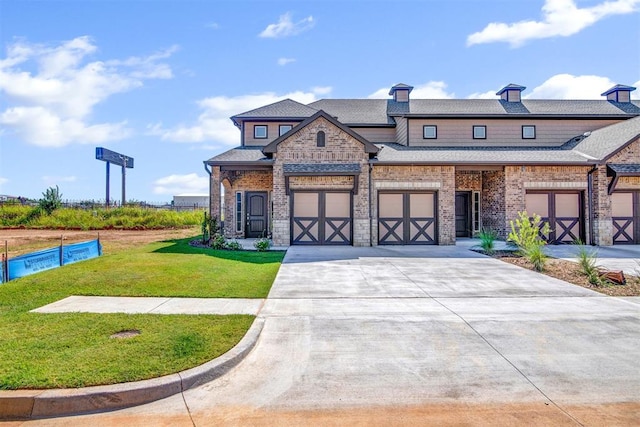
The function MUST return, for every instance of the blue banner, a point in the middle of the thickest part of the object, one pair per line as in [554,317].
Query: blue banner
[34,262]
[80,251]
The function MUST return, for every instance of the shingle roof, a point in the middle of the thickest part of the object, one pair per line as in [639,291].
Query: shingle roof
[324,168]
[396,153]
[240,155]
[632,169]
[356,111]
[605,141]
[287,108]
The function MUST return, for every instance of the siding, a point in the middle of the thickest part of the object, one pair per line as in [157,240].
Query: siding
[454,132]
[273,132]
[376,134]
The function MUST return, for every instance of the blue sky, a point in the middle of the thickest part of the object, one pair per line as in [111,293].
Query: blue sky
[158,80]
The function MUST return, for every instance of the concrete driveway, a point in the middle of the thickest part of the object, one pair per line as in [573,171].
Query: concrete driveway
[419,336]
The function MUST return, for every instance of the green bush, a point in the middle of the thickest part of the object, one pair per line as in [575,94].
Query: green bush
[262,244]
[525,234]
[234,245]
[51,200]
[588,266]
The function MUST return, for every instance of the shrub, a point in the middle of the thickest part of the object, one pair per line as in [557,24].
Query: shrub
[262,244]
[525,234]
[52,200]
[588,266]
[234,245]
[218,242]
[487,241]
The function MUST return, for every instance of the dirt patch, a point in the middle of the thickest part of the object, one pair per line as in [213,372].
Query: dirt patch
[570,272]
[20,241]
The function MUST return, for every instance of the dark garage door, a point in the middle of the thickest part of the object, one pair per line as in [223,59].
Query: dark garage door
[321,218]
[407,218]
[562,210]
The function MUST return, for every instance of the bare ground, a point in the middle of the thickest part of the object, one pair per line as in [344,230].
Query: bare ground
[20,241]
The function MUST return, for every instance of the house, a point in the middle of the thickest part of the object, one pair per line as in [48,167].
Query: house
[428,171]
[190,201]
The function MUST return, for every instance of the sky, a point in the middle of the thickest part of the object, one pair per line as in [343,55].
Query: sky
[158,80]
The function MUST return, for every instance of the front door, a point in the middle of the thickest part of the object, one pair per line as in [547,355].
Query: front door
[463,214]
[257,217]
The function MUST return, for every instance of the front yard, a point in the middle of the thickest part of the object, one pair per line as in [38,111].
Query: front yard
[75,349]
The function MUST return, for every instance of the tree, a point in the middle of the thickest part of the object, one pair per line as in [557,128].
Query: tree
[52,200]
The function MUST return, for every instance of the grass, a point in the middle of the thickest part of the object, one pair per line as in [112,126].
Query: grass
[95,219]
[75,349]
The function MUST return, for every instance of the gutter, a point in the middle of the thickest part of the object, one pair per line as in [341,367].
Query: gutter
[370,200]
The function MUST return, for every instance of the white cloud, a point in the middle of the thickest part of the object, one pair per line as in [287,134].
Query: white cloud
[55,180]
[560,18]
[213,124]
[3,180]
[213,25]
[51,106]
[490,94]
[567,86]
[285,61]
[430,90]
[286,27]
[635,94]
[178,184]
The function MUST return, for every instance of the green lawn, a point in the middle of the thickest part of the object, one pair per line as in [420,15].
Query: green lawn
[72,350]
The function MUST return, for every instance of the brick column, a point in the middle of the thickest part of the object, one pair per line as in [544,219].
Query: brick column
[214,192]
[447,207]
[602,222]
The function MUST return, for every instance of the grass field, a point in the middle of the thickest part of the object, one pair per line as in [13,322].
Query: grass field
[75,349]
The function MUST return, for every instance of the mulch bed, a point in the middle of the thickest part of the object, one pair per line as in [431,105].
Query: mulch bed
[570,272]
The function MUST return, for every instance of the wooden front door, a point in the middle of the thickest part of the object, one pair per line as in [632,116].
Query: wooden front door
[463,214]
[257,214]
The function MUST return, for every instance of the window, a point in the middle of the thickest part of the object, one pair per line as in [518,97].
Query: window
[320,139]
[238,211]
[479,132]
[429,132]
[528,132]
[284,129]
[260,131]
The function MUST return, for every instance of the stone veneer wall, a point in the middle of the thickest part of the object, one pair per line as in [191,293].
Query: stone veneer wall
[301,147]
[468,181]
[429,178]
[243,181]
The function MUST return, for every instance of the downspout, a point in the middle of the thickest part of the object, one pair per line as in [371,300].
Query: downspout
[209,172]
[590,196]
[370,208]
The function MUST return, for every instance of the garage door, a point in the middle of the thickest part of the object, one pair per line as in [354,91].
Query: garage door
[406,218]
[562,210]
[625,214]
[321,218]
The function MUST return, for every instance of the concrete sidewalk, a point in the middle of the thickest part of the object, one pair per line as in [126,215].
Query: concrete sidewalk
[153,305]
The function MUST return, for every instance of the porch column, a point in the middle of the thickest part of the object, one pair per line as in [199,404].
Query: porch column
[214,193]
[602,222]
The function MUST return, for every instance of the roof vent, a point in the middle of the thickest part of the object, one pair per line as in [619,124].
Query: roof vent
[619,93]
[511,93]
[400,92]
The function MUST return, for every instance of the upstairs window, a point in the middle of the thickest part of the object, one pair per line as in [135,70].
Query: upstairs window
[429,132]
[320,139]
[528,132]
[284,129]
[260,131]
[479,132]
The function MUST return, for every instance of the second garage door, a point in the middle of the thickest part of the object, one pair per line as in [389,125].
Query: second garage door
[407,218]
[562,210]
[625,212]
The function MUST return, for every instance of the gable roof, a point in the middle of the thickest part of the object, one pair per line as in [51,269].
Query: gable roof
[605,142]
[273,146]
[353,112]
[238,156]
[287,108]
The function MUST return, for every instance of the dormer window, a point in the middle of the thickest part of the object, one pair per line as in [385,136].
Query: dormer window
[260,131]
[284,129]
[528,132]
[479,132]
[320,139]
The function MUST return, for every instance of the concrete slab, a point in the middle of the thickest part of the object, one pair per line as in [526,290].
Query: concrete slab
[151,305]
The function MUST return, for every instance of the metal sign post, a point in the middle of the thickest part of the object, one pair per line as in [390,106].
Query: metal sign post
[118,159]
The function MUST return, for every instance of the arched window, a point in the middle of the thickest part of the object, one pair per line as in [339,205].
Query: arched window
[320,139]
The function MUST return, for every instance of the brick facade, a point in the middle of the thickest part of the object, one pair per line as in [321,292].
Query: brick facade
[241,181]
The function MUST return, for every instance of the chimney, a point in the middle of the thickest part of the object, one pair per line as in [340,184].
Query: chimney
[400,92]
[511,93]
[619,93]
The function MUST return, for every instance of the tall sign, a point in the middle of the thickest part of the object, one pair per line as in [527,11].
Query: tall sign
[109,157]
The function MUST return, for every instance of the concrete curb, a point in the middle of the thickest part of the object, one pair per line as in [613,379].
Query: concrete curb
[27,404]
